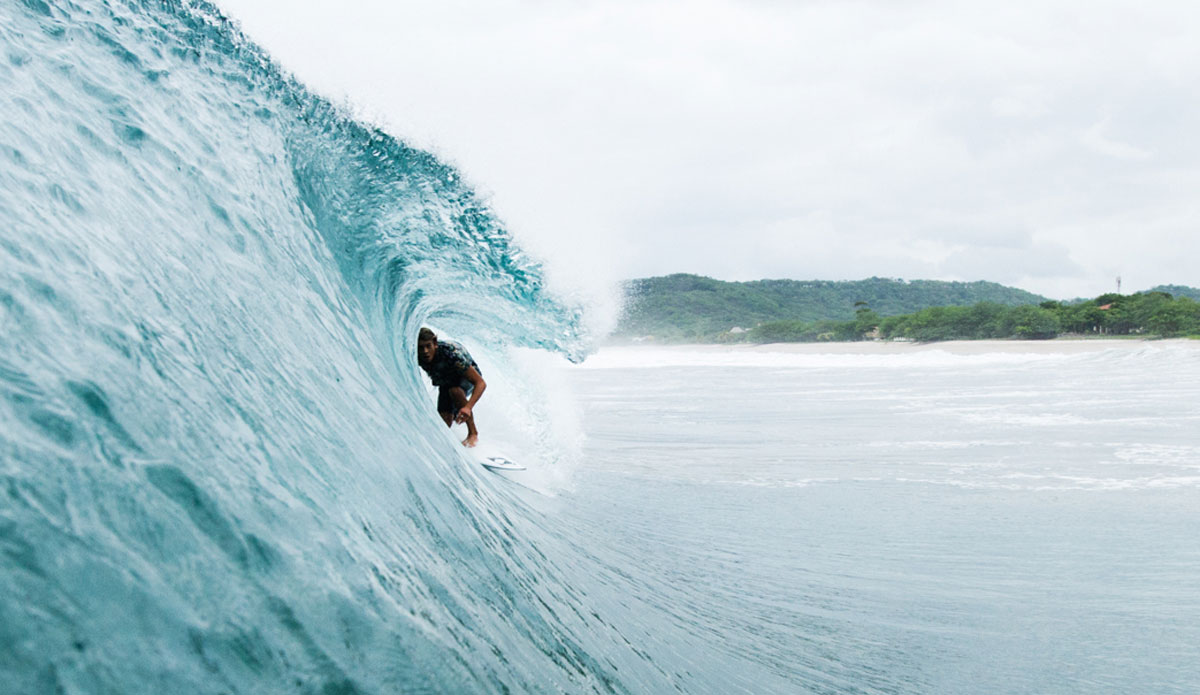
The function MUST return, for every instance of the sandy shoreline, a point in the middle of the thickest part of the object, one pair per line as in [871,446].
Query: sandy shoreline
[957,347]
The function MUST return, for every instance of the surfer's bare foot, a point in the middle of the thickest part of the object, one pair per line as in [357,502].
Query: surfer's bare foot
[471,441]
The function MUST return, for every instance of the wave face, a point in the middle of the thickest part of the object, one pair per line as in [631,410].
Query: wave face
[220,470]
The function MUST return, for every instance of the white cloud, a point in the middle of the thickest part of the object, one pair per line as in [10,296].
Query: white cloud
[813,140]
[1096,138]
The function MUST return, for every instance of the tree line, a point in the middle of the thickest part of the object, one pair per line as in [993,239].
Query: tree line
[1151,314]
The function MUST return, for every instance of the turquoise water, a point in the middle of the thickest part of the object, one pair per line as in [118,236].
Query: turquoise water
[220,471]
[219,468]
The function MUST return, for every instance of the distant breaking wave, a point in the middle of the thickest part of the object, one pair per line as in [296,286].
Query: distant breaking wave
[219,472]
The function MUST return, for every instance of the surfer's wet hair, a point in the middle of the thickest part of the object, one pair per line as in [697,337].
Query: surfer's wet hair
[426,336]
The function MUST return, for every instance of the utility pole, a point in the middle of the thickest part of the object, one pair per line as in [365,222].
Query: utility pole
[1118,284]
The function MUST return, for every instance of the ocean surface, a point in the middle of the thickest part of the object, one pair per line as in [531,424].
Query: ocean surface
[921,521]
[220,471]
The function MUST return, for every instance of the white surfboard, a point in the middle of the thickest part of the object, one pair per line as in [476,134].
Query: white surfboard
[501,463]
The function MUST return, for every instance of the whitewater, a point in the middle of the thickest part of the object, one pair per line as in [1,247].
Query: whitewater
[221,472]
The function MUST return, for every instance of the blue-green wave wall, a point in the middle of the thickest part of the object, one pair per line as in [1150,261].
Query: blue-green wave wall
[219,471]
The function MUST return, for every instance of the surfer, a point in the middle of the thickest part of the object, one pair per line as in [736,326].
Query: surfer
[451,369]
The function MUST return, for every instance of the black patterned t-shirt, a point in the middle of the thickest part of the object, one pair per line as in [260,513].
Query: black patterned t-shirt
[449,364]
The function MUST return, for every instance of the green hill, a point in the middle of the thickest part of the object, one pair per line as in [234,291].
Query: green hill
[1178,291]
[682,307]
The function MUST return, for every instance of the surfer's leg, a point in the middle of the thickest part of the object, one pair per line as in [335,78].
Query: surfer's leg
[459,397]
[445,406]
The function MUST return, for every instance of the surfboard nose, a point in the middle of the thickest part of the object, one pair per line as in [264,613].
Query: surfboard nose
[500,463]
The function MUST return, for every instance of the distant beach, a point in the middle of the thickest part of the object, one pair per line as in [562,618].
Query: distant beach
[975,347]
[957,347]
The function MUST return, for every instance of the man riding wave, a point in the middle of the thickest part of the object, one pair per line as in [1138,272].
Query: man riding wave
[460,385]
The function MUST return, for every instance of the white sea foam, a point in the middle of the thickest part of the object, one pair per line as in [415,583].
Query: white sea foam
[971,354]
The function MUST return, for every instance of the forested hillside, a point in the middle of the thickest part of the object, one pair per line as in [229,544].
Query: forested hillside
[1178,291]
[677,308]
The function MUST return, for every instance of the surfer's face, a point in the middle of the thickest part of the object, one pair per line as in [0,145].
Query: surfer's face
[426,349]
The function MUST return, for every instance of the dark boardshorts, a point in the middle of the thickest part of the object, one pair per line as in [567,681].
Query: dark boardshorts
[446,403]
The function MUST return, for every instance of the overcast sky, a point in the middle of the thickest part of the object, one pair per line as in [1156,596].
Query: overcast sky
[1049,145]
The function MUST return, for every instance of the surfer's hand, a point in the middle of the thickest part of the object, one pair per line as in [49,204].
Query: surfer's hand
[462,414]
